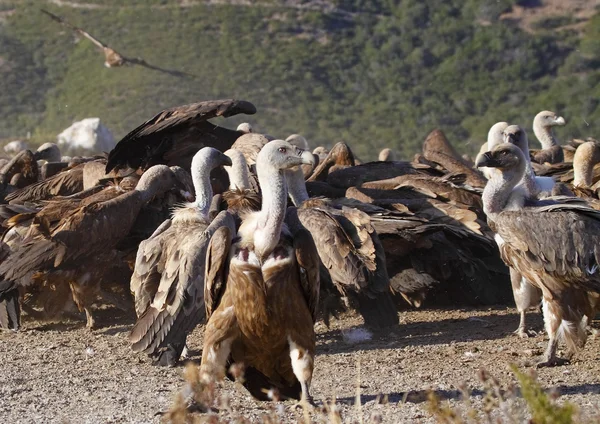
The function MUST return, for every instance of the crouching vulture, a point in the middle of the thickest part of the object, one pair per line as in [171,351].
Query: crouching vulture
[168,279]
[175,135]
[555,246]
[262,289]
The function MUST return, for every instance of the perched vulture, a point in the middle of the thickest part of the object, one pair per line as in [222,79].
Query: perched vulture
[168,278]
[555,247]
[174,135]
[262,289]
[551,151]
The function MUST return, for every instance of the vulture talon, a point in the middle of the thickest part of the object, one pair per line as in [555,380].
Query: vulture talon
[553,362]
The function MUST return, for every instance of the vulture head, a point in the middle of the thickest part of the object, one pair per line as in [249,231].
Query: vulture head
[586,156]
[245,127]
[387,155]
[548,119]
[282,155]
[157,180]
[48,152]
[515,135]
[298,141]
[507,157]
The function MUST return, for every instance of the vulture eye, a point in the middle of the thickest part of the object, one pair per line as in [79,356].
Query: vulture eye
[282,149]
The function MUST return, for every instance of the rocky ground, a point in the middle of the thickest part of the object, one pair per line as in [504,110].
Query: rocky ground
[61,372]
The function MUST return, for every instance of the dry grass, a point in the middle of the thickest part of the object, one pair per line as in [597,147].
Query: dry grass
[523,402]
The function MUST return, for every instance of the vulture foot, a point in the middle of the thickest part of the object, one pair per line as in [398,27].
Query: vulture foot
[553,362]
[525,334]
[308,405]
[91,322]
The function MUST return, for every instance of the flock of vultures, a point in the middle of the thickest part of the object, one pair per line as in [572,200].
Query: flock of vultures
[257,238]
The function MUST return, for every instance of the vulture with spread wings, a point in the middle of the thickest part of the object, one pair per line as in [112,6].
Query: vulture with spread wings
[113,58]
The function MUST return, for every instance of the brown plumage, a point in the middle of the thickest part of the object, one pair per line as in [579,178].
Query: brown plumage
[174,135]
[339,157]
[350,251]
[83,242]
[112,58]
[555,247]
[261,291]
[168,279]
[19,172]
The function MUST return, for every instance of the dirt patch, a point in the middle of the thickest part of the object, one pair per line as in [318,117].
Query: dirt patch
[65,373]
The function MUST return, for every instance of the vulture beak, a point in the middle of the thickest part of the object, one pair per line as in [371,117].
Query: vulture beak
[560,121]
[308,158]
[37,156]
[225,160]
[486,159]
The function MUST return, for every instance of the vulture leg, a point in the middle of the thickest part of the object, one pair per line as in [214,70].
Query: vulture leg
[221,330]
[564,319]
[84,296]
[10,310]
[302,365]
[526,296]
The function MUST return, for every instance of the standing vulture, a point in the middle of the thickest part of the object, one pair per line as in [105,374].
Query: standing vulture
[168,279]
[262,290]
[174,135]
[556,247]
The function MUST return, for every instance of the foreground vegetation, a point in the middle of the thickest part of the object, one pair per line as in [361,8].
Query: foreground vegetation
[373,73]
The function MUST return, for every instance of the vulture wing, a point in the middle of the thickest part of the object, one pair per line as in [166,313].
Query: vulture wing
[308,261]
[61,184]
[175,135]
[562,241]
[178,303]
[76,29]
[215,278]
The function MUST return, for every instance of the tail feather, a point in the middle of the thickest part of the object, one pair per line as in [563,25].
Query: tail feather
[377,309]
[10,310]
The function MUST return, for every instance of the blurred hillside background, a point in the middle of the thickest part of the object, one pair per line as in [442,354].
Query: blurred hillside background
[373,73]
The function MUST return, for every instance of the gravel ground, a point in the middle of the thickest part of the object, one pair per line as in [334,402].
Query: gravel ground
[62,372]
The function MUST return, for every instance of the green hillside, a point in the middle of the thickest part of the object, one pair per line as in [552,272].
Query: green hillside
[372,73]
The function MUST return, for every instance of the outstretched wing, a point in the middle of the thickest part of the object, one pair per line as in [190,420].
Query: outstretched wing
[76,29]
[178,133]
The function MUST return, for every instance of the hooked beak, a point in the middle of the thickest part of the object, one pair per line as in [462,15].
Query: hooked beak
[560,121]
[308,158]
[225,160]
[486,159]
[37,156]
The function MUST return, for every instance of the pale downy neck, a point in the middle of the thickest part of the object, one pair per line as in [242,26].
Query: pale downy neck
[201,179]
[274,198]
[238,171]
[544,134]
[586,156]
[499,190]
[495,136]
[296,186]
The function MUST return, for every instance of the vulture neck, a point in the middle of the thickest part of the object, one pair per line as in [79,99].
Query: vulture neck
[586,156]
[239,177]
[296,186]
[270,218]
[545,135]
[499,190]
[203,189]
[532,189]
